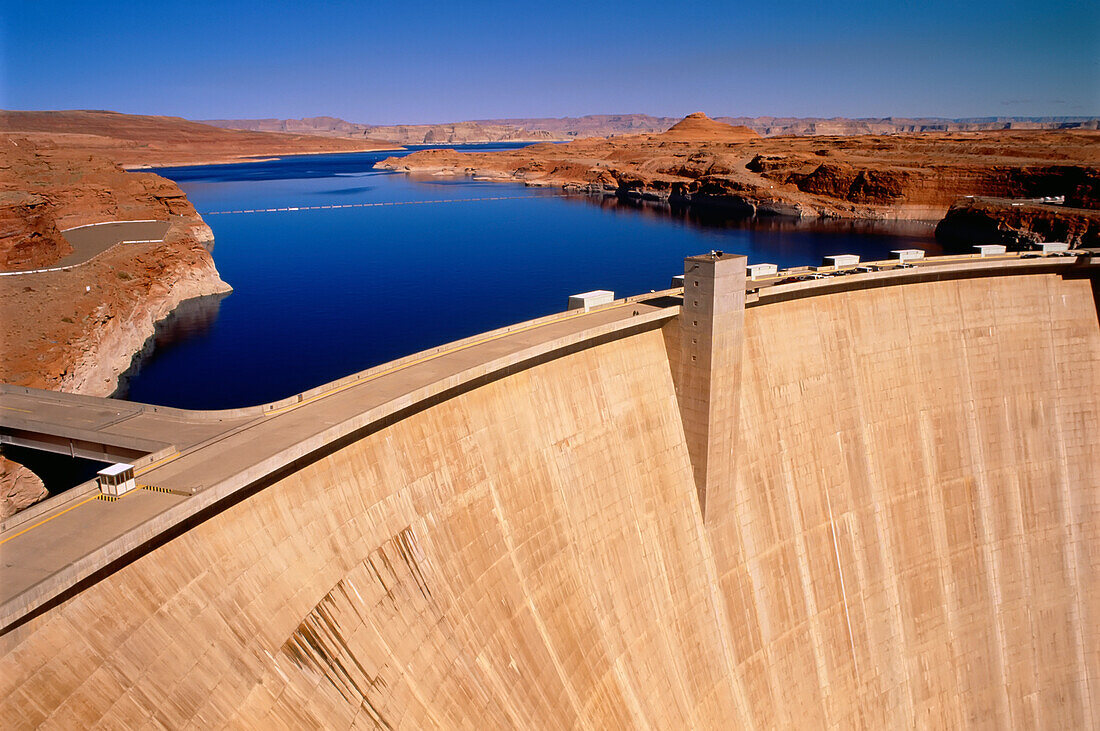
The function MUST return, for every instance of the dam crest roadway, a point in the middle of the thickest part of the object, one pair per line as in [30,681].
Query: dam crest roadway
[194,466]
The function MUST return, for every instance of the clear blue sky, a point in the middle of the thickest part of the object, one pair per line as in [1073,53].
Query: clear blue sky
[413,61]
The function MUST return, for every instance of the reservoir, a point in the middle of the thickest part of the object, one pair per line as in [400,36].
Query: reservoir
[374,265]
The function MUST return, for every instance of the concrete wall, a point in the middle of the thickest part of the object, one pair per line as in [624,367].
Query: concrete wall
[914,541]
[917,537]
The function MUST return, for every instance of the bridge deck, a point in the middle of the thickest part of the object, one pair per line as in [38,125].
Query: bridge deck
[219,453]
[48,549]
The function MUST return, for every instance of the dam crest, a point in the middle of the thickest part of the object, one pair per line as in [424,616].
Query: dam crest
[865,500]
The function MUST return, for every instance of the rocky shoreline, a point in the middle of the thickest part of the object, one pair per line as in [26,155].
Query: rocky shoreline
[704,163]
[78,329]
[116,334]
[1019,225]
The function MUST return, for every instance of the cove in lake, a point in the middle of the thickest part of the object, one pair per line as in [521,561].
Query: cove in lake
[320,294]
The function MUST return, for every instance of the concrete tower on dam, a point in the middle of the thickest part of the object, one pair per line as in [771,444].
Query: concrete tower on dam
[869,500]
[709,376]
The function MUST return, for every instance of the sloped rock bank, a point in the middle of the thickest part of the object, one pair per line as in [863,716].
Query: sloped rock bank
[704,162]
[19,488]
[1016,224]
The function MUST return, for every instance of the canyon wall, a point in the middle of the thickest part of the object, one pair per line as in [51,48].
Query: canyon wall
[1019,225]
[913,542]
[603,125]
[706,163]
[77,330]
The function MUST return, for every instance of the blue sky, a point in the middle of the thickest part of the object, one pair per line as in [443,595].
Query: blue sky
[434,62]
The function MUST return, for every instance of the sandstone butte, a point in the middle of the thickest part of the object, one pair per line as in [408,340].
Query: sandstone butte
[78,330]
[703,162]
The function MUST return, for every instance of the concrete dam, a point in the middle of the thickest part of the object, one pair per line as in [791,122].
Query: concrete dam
[866,501]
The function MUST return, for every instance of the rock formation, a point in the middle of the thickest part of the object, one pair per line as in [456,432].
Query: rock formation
[1016,224]
[698,127]
[77,330]
[404,134]
[606,125]
[19,488]
[704,162]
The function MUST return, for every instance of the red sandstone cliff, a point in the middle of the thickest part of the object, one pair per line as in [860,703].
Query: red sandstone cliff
[19,488]
[704,162]
[1016,224]
[77,330]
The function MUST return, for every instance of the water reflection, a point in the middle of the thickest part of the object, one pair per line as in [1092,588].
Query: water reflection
[400,264]
[715,217]
[192,320]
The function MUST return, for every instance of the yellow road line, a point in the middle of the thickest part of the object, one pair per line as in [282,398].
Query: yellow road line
[11,408]
[387,372]
[432,356]
[47,520]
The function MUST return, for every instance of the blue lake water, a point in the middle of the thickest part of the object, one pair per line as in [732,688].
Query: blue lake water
[319,294]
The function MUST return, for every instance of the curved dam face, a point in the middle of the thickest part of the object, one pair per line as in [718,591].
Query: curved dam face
[911,538]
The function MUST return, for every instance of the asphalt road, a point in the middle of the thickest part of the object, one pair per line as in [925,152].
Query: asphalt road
[90,241]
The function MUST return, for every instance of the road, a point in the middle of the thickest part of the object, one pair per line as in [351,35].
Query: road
[208,456]
[90,241]
[205,458]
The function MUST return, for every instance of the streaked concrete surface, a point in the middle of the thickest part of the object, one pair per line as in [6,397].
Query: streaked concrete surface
[515,539]
[211,455]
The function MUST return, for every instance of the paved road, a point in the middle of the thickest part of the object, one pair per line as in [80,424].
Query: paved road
[89,242]
[215,454]
[208,456]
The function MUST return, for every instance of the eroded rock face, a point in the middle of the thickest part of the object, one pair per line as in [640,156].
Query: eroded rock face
[1016,224]
[45,188]
[704,161]
[19,488]
[604,125]
[404,134]
[77,330]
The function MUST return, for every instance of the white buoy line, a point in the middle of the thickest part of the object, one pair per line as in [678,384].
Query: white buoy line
[386,203]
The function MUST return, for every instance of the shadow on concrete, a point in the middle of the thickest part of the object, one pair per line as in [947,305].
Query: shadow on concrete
[304,461]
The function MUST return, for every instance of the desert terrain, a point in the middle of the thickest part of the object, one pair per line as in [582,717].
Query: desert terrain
[704,162]
[455,133]
[77,329]
[606,125]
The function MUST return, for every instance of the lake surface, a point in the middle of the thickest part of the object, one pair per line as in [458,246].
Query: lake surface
[407,264]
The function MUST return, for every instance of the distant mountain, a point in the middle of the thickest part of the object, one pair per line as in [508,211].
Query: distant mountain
[592,125]
[134,139]
[543,129]
[603,125]
[405,134]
